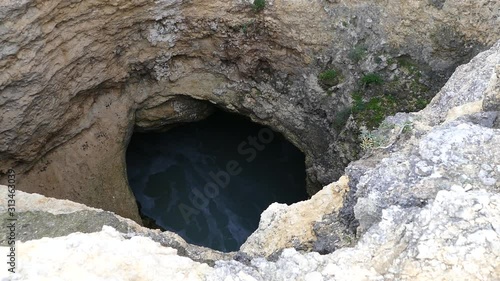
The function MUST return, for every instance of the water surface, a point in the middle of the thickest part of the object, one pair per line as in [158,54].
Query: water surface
[172,177]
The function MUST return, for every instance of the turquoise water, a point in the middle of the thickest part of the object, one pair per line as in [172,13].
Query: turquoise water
[209,181]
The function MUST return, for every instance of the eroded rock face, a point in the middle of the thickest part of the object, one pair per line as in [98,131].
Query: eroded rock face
[283,226]
[453,142]
[426,198]
[41,217]
[76,77]
[455,237]
[449,239]
[108,245]
[491,101]
[177,109]
[450,145]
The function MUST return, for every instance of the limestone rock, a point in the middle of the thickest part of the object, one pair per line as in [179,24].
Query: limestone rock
[284,226]
[434,155]
[469,83]
[105,255]
[41,217]
[173,111]
[454,237]
[491,100]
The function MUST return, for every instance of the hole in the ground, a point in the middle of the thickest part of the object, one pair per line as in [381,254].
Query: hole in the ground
[209,181]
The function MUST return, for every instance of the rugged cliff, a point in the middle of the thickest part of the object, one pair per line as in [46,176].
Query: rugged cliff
[422,203]
[77,77]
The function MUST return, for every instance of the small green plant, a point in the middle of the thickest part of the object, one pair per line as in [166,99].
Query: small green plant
[383,137]
[358,53]
[421,103]
[341,118]
[375,111]
[259,5]
[386,125]
[407,127]
[329,78]
[369,140]
[407,63]
[372,112]
[372,78]
[247,27]
[359,104]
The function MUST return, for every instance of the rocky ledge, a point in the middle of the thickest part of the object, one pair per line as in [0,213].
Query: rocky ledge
[423,203]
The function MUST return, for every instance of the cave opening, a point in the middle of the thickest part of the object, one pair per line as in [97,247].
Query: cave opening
[210,180]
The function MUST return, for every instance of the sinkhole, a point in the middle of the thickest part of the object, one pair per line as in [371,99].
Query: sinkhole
[210,180]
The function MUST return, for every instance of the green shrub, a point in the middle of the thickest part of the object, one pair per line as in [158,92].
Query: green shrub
[369,139]
[372,78]
[341,118]
[258,5]
[358,53]
[407,63]
[244,28]
[421,103]
[376,111]
[358,104]
[372,111]
[407,127]
[329,78]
